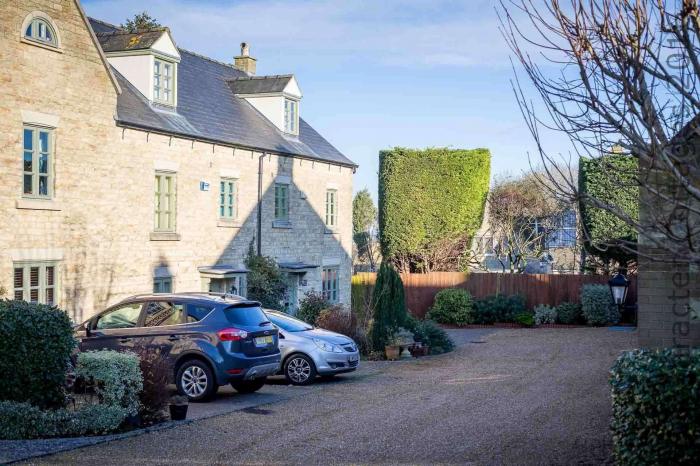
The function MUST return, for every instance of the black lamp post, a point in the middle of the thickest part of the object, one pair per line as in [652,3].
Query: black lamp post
[618,289]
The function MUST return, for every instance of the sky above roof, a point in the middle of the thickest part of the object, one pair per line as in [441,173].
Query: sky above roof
[374,75]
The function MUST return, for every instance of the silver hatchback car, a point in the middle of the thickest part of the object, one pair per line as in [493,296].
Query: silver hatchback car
[308,351]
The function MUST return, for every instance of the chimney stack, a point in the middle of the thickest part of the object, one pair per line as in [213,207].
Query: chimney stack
[244,61]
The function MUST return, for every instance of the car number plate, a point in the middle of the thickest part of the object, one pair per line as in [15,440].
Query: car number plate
[263,341]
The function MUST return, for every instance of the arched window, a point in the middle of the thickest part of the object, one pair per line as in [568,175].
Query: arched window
[39,27]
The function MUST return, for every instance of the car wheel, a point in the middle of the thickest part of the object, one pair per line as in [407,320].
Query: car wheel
[195,380]
[299,369]
[248,386]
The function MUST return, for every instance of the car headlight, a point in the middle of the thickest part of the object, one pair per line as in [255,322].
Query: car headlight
[326,346]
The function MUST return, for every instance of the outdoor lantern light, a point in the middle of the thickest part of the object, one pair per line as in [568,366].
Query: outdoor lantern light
[618,288]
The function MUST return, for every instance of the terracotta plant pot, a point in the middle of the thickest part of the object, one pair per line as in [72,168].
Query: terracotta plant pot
[178,412]
[392,352]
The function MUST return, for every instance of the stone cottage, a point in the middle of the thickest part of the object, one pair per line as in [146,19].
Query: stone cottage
[129,165]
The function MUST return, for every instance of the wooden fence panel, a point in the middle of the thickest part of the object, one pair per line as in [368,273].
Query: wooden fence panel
[550,289]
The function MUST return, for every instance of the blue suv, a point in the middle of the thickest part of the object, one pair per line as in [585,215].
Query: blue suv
[209,339]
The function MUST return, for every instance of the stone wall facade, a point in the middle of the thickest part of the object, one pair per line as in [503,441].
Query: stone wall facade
[98,228]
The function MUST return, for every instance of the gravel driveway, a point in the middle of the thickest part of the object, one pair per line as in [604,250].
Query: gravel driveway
[519,396]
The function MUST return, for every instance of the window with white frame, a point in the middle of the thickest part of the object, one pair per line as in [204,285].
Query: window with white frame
[40,30]
[331,208]
[165,202]
[281,202]
[329,278]
[163,81]
[227,199]
[36,282]
[291,116]
[37,162]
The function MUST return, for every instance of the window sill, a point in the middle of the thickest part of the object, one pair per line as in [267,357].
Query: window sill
[282,224]
[38,204]
[35,43]
[330,231]
[164,236]
[224,223]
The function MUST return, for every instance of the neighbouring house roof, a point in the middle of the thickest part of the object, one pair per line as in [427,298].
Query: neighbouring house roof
[208,110]
[117,41]
[259,84]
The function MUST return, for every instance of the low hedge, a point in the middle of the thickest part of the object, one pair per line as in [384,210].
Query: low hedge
[116,376]
[597,306]
[498,308]
[24,421]
[545,314]
[569,313]
[428,333]
[35,346]
[656,407]
[311,305]
[452,306]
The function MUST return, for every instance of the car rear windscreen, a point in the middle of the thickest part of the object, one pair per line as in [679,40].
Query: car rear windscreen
[246,316]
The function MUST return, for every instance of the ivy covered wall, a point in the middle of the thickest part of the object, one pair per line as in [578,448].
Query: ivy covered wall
[431,202]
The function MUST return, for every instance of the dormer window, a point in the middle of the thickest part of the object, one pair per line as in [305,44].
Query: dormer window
[291,116]
[163,81]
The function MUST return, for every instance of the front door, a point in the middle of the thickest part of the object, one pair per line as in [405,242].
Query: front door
[292,296]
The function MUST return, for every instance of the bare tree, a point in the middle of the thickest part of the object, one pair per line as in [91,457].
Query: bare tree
[521,215]
[618,72]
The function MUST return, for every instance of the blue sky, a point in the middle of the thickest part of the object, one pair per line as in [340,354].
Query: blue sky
[375,75]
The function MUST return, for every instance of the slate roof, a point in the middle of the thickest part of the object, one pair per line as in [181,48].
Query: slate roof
[208,110]
[117,41]
[259,84]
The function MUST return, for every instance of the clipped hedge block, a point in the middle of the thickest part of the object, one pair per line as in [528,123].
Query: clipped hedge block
[499,308]
[656,407]
[427,197]
[610,179]
[452,306]
[36,342]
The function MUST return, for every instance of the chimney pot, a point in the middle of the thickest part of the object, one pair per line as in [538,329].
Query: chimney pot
[244,62]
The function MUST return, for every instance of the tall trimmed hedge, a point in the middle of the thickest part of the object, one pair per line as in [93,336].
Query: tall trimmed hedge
[36,342]
[429,196]
[611,179]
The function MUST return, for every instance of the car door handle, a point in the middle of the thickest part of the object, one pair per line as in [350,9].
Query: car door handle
[173,337]
[124,340]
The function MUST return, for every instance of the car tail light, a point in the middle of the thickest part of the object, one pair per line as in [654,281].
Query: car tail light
[234,371]
[232,334]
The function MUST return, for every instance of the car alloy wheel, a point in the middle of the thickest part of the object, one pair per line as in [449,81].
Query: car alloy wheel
[194,381]
[300,370]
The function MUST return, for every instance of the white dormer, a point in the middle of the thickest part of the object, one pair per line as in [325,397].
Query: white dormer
[148,60]
[276,97]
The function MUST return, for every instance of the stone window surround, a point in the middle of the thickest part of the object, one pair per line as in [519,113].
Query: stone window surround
[46,256]
[51,122]
[43,16]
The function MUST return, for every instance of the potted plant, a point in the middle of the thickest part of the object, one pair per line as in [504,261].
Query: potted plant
[178,408]
[393,348]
